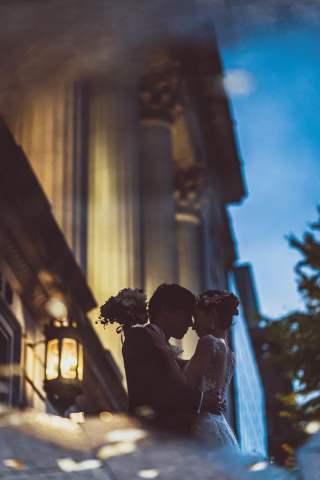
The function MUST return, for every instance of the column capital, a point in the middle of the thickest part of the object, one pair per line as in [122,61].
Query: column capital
[160,90]
[191,189]
[188,217]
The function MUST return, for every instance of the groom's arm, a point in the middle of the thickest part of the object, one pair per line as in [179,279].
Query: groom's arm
[182,363]
[161,383]
[174,392]
[164,382]
[170,389]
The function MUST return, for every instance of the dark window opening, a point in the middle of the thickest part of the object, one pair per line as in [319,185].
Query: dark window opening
[8,293]
[10,356]
[4,363]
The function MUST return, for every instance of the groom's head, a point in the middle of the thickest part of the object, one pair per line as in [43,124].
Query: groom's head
[171,307]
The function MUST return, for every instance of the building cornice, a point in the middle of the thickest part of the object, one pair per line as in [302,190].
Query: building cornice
[160,89]
[202,69]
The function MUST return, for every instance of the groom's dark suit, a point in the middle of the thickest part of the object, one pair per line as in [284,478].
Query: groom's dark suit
[154,378]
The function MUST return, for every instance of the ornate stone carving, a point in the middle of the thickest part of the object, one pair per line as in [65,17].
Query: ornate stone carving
[191,189]
[160,90]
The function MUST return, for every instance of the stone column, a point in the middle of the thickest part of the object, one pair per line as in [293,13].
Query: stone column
[190,252]
[191,199]
[158,103]
[49,127]
[114,258]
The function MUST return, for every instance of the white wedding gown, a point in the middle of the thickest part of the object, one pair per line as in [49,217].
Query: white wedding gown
[213,428]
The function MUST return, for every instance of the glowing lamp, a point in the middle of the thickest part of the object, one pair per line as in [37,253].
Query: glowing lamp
[63,364]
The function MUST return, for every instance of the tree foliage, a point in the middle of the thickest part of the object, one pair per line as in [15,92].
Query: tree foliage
[298,334]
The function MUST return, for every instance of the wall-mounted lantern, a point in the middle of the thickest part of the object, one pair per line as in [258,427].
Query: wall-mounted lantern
[63,364]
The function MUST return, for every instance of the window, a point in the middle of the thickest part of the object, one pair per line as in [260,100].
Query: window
[10,351]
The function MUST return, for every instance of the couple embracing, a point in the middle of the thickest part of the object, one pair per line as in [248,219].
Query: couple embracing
[186,395]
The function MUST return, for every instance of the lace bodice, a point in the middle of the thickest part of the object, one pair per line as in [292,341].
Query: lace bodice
[219,371]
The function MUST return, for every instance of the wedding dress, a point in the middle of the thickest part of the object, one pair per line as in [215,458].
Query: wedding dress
[216,378]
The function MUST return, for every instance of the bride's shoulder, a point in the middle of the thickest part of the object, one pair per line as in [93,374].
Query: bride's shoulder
[211,342]
[209,338]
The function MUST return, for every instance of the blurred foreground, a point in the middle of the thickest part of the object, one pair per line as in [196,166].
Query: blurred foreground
[38,445]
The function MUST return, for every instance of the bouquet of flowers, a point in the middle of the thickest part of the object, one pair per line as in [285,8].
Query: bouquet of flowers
[128,308]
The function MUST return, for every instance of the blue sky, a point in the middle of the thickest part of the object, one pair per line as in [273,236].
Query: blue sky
[278,128]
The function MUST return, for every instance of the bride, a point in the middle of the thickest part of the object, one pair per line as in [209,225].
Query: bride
[211,367]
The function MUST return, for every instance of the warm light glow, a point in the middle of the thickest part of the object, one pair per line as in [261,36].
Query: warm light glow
[257,467]
[53,423]
[69,362]
[45,277]
[14,463]
[106,416]
[52,370]
[313,427]
[56,308]
[123,442]
[77,417]
[126,435]
[150,473]
[70,465]
[115,450]
[80,361]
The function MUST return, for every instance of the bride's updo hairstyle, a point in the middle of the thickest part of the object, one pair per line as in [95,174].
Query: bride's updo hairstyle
[127,308]
[170,297]
[223,302]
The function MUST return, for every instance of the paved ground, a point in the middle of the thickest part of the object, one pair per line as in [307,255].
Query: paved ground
[41,446]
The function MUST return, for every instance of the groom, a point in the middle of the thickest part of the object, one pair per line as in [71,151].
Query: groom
[154,377]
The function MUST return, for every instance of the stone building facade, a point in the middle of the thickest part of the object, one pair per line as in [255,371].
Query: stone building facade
[39,276]
[138,169]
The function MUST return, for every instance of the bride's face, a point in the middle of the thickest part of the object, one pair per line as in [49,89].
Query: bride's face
[203,321]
